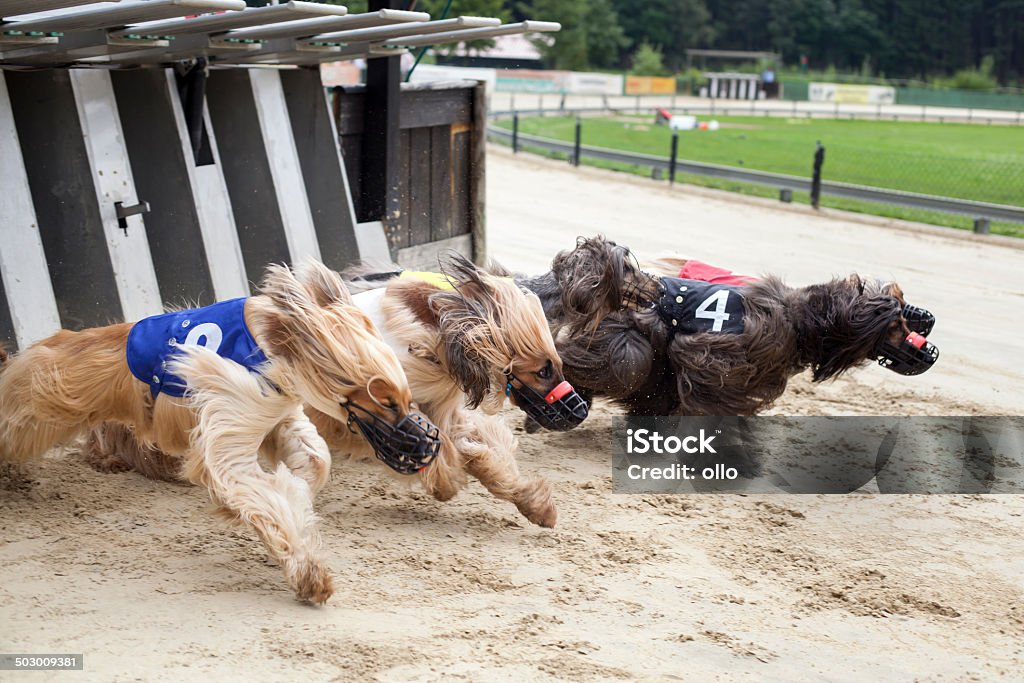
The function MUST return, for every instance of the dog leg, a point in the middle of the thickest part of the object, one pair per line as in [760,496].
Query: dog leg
[101,449]
[488,451]
[113,447]
[296,443]
[234,411]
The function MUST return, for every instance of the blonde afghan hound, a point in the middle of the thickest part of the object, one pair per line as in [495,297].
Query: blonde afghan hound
[466,340]
[212,388]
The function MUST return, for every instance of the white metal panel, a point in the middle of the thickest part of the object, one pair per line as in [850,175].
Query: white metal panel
[477,33]
[104,142]
[308,27]
[218,23]
[276,127]
[213,207]
[107,15]
[12,8]
[377,33]
[22,260]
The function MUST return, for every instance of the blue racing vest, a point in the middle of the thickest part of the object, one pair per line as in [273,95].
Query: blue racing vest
[693,306]
[153,342]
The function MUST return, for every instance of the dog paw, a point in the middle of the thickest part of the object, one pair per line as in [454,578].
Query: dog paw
[546,517]
[108,463]
[314,584]
[536,505]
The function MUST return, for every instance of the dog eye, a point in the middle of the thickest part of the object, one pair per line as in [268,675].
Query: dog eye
[545,372]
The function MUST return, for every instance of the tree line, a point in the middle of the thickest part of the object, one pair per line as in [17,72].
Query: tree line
[904,39]
[900,39]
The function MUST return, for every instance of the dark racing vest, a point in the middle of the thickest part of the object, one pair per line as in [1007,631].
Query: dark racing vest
[692,307]
[154,341]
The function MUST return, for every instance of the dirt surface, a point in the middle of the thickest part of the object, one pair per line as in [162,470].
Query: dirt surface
[141,579]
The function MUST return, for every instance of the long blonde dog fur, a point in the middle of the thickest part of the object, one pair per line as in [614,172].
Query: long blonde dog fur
[455,347]
[322,352]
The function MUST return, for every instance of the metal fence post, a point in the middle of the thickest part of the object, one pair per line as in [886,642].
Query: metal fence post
[672,157]
[515,132]
[819,160]
[981,226]
[576,145]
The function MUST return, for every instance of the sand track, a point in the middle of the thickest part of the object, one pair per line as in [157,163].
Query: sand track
[139,577]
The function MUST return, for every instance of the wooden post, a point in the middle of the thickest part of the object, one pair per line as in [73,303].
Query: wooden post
[381,154]
[515,133]
[478,174]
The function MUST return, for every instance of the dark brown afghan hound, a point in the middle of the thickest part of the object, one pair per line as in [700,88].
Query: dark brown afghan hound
[665,345]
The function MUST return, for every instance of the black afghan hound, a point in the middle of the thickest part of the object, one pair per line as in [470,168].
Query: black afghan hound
[672,346]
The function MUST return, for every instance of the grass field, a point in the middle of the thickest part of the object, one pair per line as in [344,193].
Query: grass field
[982,163]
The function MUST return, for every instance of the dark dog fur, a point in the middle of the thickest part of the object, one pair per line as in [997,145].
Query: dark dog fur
[631,356]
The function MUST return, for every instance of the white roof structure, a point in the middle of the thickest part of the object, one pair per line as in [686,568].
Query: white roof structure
[38,33]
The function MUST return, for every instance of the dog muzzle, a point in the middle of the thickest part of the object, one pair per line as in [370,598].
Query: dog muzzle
[913,356]
[918,319]
[560,410]
[407,447]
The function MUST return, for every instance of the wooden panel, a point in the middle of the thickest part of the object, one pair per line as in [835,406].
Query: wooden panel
[477,179]
[351,151]
[424,108]
[420,108]
[436,150]
[382,162]
[400,239]
[442,182]
[350,112]
[427,256]
[419,186]
[460,191]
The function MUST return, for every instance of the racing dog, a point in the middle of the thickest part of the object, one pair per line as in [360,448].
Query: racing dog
[214,387]
[691,347]
[467,339]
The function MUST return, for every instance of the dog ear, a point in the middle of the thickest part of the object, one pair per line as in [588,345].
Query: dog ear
[457,318]
[894,290]
[280,324]
[416,297]
[323,284]
[466,274]
[592,278]
[854,320]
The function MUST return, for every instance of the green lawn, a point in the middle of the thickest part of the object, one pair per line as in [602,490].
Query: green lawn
[983,163]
